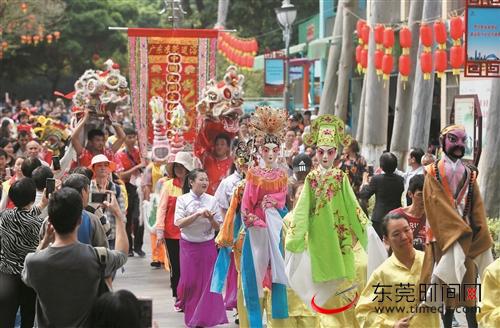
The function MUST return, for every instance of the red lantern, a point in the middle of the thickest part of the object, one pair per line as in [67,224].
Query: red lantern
[23,39]
[388,40]
[440,34]
[57,35]
[456,29]
[379,55]
[426,37]
[364,59]
[254,46]
[365,35]
[5,45]
[456,58]
[387,63]
[28,39]
[378,34]
[359,29]
[49,38]
[404,67]
[24,7]
[405,39]
[440,62]
[426,64]
[359,48]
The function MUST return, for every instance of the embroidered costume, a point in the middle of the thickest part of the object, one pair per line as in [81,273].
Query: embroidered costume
[326,218]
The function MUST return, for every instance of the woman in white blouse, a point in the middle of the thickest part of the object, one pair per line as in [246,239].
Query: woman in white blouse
[197,215]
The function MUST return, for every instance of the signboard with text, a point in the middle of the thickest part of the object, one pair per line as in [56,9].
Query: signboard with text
[482,39]
[274,76]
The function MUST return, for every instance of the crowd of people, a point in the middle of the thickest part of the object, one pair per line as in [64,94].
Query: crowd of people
[75,208]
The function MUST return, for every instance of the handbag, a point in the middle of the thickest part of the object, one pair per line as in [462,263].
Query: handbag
[102,256]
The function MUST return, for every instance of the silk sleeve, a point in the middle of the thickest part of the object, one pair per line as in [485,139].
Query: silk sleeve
[357,217]
[490,305]
[249,201]
[297,233]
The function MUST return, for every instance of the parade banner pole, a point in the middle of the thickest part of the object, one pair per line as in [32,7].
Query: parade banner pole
[121,28]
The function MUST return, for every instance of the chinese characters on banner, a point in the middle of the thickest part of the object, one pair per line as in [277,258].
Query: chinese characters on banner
[173,64]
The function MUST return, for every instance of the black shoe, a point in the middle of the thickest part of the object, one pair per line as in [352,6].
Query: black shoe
[155,264]
[140,253]
[130,254]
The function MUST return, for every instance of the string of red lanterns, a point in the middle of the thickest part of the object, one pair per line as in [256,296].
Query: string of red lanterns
[240,52]
[404,59]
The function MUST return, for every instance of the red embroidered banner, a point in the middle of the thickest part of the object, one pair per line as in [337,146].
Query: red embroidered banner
[174,66]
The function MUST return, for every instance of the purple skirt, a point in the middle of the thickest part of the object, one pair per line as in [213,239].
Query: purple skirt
[201,307]
[231,298]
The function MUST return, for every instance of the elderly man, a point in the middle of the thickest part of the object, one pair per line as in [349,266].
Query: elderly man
[33,150]
[391,296]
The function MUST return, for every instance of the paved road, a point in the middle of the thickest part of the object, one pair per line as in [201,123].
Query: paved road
[147,282]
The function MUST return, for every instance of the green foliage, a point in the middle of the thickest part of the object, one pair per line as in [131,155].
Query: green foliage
[494,227]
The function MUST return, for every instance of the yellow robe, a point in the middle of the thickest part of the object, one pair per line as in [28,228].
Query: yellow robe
[389,276]
[490,305]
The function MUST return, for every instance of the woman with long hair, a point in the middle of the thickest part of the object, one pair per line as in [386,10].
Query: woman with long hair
[198,217]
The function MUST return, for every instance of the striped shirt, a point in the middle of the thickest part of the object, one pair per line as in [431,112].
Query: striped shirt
[19,231]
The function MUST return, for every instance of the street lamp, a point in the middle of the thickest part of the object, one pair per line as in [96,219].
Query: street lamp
[286,16]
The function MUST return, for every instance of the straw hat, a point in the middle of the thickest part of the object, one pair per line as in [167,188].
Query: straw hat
[184,158]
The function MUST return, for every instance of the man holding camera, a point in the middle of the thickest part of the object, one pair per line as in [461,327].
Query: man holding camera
[130,172]
[66,274]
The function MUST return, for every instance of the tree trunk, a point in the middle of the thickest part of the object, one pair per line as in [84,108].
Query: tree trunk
[421,110]
[402,115]
[362,110]
[222,9]
[377,90]
[329,93]
[489,164]
[346,59]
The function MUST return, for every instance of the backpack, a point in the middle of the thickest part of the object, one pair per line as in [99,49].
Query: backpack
[102,256]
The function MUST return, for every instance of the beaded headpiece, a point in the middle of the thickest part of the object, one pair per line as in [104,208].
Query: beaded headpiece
[270,124]
[327,130]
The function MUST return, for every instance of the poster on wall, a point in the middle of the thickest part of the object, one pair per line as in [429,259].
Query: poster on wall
[274,76]
[481,88]
[467,112]
[482,39]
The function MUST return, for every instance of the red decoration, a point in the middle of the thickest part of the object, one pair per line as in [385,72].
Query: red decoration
[426,64]
[36,39]
[440,62]
[5,45]
[387,63]
[57,35]
[405,39]
[49,38]
[359,29]
[404,67]
[456,58]
[24,7]
[456,28]
[440,34]
[378,34]
[379,55]
[426,37]
[365,35]
[359,48]
[388,40]
[364,59]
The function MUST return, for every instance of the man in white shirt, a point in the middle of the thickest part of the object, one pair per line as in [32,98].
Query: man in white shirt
[414,168]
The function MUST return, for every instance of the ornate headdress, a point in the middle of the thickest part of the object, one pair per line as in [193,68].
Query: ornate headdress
[46,128]
[243,152]
[269,123]
[450,128]
[327,130]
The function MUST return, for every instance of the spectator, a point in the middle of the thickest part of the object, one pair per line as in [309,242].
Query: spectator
[132,167]
[66,274]
[354,165]
[197,215]
[387,187]
[3,165]
[307,118]
[17,174]
[6,145]
[33,150]
[40,176]
[29,165]
[96,142]
[302,165]
[19,229]
[120,309]
[415,213]
[22,140]
[219,162]
[414,168]
[244,132]
[428,159]
[405,264]
[102,183]
[6,129]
